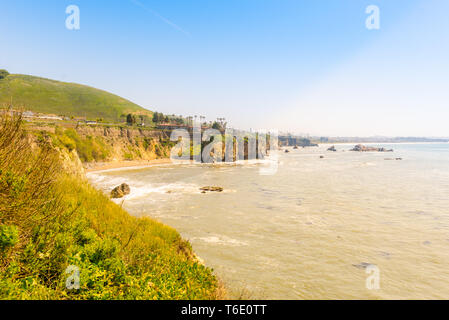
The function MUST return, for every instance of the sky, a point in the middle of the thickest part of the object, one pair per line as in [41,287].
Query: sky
[304,66]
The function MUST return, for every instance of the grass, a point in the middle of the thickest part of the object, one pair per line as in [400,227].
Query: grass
[68,99]
[50,220]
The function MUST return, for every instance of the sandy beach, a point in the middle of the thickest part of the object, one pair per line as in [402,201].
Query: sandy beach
[101,166]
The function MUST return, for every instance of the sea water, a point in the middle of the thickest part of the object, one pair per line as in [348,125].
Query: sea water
[312,229]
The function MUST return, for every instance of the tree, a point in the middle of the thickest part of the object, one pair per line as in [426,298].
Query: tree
[158,117]
[3,74]
[131,119]
[216,126]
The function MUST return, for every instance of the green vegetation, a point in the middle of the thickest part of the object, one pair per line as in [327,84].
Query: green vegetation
[50,220]
[89,149]
[67,99]
[3,74]
[159,118]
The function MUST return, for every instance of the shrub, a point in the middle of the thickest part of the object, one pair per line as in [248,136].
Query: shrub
[9,236]
[3,74]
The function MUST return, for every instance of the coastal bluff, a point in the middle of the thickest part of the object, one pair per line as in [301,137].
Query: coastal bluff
[89,146]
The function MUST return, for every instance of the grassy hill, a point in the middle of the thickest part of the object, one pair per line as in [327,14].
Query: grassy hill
[61,98]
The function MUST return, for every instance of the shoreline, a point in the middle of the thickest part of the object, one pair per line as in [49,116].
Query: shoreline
[95,167]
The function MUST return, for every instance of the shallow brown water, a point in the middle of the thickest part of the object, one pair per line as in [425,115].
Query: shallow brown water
[303,232]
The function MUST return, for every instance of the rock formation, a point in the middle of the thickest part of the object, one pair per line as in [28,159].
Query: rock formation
[362,148]
[211,189]
[120,191]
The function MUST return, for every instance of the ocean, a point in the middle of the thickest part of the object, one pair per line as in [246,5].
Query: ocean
[349,226]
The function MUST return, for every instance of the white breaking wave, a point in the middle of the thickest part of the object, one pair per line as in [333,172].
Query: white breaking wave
[139,189]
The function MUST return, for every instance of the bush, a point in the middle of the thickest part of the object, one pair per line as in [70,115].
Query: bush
[3,74]
[9,236]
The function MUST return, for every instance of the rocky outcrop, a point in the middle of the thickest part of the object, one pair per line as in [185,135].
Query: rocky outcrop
[332,149]
[362,148]
[363,265]
[120,191]
[71,162]
[211,189]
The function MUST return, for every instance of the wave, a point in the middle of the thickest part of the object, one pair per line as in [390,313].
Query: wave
[139,188]
[221,240]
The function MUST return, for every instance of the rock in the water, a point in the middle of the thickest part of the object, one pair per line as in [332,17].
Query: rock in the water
[120,191]
[211,189]
[362,265]
[295,147]
[321,157]
[362,148]
[332,149]
[287,151]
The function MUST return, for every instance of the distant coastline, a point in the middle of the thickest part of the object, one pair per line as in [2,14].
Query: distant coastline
[377,143]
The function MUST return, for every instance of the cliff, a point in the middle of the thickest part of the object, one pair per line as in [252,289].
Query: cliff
[101,144]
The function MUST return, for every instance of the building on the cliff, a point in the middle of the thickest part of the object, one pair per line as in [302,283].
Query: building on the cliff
[28,114]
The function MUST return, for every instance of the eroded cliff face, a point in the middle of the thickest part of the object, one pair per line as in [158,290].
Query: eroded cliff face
[71,162]
[85,146]
[125,144]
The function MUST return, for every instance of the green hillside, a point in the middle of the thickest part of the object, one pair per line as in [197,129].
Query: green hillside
[61,98]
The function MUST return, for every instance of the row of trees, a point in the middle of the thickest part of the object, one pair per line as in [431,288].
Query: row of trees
[132,119]
[159,117]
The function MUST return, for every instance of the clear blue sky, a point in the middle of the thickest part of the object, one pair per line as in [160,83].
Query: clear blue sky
[302,65]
